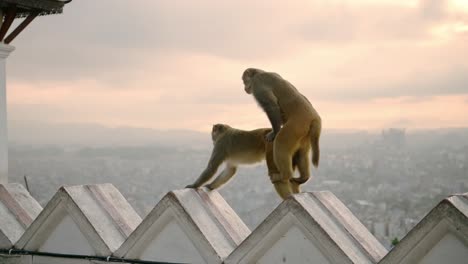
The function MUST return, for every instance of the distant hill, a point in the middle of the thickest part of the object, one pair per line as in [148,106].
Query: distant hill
[21,132]
[83,134]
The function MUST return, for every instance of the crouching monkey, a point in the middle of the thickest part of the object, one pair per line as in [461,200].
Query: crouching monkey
[236,147]
[295,123]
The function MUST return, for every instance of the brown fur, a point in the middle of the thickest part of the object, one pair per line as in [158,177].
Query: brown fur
[236,147]
[296,125]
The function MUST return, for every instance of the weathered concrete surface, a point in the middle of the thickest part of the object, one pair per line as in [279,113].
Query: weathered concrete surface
[191,226]
[7,259]
[17,211]
[309,228]
[440,237]
[84,219]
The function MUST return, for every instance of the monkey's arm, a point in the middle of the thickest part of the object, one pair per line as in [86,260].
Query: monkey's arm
[217,157]
[269,103]
[223,177]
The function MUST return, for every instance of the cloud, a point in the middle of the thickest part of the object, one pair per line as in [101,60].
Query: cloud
[129,62]
[433,112]
[433,9]
[119,39]
[339,23]
[119,36]
[421,85]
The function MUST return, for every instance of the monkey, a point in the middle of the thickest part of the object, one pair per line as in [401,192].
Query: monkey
[294,122]
[238,147]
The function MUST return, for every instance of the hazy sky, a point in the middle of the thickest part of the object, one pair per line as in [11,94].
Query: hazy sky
[363,64]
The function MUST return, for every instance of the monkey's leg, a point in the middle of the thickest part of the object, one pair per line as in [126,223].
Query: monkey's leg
[315,130]
[272,169]
[284,147]
[295,160]
[295,187]
[303,165]
[283,190]
[223,177]
[215,161]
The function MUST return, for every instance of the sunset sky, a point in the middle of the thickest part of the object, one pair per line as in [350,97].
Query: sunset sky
[364,64]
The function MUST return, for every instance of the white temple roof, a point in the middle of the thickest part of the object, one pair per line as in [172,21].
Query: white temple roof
[309,228]
[84,219]
[440,237]
[17,210]
[187,225]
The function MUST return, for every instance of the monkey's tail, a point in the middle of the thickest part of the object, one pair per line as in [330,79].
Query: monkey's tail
[315,130]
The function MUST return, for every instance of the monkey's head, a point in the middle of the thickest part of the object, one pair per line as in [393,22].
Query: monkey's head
[218,130]
[247,78]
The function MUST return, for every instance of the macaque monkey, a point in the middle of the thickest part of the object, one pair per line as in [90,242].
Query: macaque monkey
[237,147]
[295,123]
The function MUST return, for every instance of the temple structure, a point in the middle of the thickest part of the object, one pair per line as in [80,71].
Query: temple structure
[88,224]
[9,11]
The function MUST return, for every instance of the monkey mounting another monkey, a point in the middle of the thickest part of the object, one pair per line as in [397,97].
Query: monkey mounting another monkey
[296,124]
[238,147]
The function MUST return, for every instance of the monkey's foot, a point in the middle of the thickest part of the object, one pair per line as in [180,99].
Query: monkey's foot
[295,186]
[283,189]
[300,180]
[191,186]
[209,187]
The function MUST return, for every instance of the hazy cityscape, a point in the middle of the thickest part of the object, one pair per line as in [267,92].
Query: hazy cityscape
[124,93]
[388,179]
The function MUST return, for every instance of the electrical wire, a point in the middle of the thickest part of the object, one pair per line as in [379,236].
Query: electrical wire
[87,257]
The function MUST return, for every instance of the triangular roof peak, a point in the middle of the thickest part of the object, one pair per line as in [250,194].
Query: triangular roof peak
[18,209]
[186,225]
[440,237]
[309,227]
[84,219]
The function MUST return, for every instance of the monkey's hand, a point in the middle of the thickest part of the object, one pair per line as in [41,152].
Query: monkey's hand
[210,187]
[191,186]
[270,136]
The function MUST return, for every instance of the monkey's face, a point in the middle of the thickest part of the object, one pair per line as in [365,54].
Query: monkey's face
[246,78]
[248,88]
